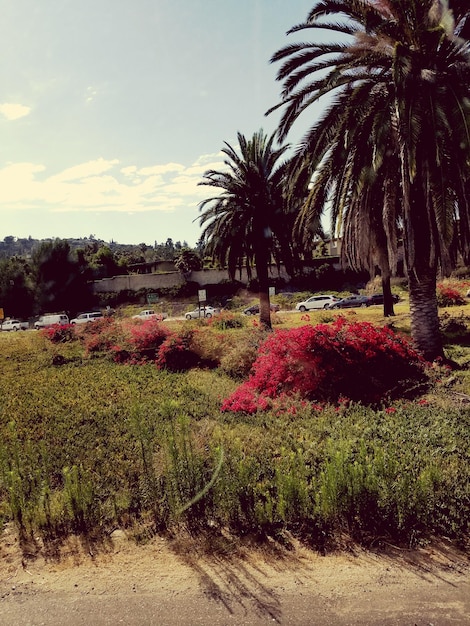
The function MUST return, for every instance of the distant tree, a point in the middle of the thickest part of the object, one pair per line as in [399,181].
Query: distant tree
[16,288]
[62,282]
[104,263]
[169,250]
[188,261]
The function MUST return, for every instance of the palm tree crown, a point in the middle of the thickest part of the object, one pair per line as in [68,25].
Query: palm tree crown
[391,152]
[246,222]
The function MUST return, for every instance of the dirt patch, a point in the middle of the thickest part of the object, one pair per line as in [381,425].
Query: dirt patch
[221,581]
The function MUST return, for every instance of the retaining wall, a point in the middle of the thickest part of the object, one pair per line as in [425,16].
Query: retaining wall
[134,282]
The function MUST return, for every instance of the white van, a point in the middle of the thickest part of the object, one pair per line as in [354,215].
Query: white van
[49,320]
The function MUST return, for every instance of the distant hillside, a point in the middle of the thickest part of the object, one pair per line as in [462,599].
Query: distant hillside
[23,247]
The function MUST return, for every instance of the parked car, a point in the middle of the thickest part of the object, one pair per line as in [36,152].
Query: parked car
[316,302]
[203,311]
[149,314]
[254,309]
[350,302]
[50,320]
[84,318]
[14,325]
[378,298]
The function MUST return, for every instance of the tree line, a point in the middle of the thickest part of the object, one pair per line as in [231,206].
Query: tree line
[56,275]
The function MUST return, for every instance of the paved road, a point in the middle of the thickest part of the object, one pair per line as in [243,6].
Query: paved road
[189,609]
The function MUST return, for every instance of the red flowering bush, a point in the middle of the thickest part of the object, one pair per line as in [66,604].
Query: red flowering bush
[448,295]
[59,333]
[345,359]
[139,342]
[100,336]
[147,335]
[176,353]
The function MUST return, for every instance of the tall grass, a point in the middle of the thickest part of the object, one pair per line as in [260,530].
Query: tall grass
[88,445]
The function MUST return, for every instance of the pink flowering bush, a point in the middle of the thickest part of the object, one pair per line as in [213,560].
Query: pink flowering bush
[345,359]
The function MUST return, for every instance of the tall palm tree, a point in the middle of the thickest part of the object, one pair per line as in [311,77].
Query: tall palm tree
[246,222]
[391,152]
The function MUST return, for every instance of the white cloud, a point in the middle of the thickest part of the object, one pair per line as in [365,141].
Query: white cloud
[13,111]
[90,94]
[101,186]
[129,171]
[161,169]
[83,170]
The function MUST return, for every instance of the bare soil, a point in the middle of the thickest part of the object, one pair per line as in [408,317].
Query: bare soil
[220,581]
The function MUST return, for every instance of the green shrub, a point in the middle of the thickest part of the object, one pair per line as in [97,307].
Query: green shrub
[227,320]
[238,359]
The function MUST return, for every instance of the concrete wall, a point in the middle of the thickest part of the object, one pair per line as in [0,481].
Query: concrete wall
[134,282]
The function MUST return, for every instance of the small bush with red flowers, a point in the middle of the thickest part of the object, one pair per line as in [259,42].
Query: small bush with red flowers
[59,333]
[145,338]
[176,353]
[449,295]
[323,363]
[138,342]
[99,336]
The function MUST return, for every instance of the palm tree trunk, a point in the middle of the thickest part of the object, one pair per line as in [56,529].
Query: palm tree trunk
[387,292]
[424,315]
[421,262]
[261,263]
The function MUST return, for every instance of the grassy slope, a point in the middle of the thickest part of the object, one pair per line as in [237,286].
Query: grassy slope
[90,444]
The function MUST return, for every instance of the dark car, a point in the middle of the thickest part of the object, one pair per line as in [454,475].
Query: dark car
[378,298]
[350,302]
[254,310]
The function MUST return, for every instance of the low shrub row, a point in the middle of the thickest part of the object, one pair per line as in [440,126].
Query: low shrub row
[328,362]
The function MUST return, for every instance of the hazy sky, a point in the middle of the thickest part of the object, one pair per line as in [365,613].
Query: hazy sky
[111,110]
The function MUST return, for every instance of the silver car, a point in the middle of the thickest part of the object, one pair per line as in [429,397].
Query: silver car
[15,325]
[316,302]
[203,311]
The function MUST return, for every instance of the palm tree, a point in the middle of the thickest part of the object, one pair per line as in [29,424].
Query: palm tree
[391,152]
[246,222]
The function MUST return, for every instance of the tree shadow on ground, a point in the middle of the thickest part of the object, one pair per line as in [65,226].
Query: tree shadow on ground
[237,572]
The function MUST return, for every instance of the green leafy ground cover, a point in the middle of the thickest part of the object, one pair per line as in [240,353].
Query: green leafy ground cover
[88,445]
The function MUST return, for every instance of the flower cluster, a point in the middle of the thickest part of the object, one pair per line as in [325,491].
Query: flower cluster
[448,295]
[147,335]
[99,336]
[324,363]
[59,333]
[176,354]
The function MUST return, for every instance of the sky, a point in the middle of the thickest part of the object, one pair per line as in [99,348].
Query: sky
[112,110]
